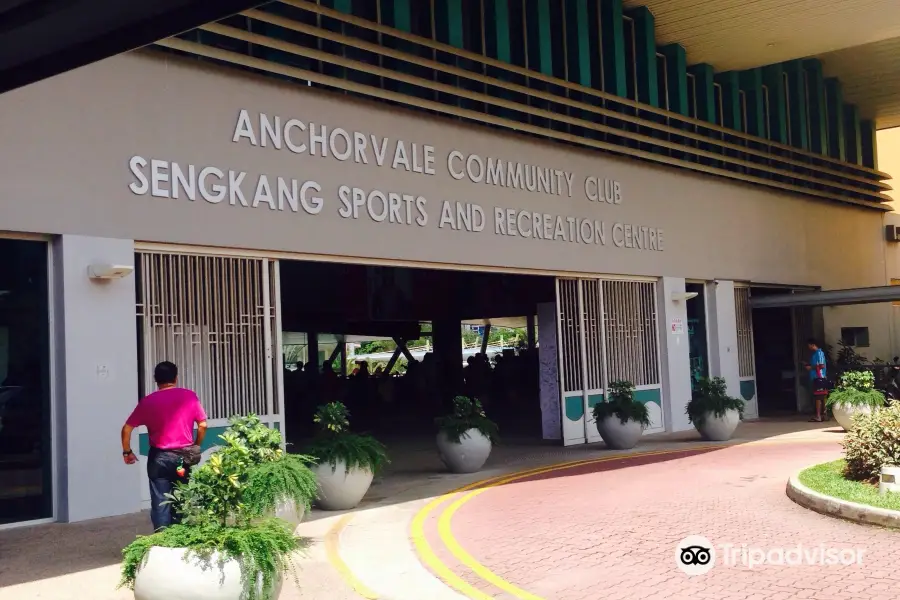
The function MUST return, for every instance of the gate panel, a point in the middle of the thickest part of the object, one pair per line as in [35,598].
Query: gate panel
[631,342]
[571,368]
[217,318]
[746,356]
[592,310]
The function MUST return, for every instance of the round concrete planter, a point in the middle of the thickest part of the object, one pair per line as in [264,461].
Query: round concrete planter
[290,513]
[719,429]
[617,435]
[340,488]
[843,414]
[466,456]
[168,574]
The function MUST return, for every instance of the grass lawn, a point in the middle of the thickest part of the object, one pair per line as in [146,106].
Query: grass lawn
[828,479]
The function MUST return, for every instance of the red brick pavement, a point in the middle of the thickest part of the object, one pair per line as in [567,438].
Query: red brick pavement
[610,533]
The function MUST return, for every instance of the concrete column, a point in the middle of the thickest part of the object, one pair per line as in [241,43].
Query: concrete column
[675,359]
[447,337]
[723,352]
[551,407]
[96,379]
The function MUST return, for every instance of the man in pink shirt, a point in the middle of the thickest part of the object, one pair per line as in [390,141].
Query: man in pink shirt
[169,414]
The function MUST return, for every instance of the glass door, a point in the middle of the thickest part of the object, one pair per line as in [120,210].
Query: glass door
[25,420]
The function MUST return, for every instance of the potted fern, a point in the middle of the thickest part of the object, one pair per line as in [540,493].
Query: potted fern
[225,547]
[621,419]
[465,436]
[278,484]
[713,412]
[855,394]
[346,462]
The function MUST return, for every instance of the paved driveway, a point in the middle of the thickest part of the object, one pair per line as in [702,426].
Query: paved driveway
[610,531]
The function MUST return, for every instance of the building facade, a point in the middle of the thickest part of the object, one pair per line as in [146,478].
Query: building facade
[202,177]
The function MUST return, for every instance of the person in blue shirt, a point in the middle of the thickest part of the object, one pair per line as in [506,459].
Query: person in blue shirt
[817,379]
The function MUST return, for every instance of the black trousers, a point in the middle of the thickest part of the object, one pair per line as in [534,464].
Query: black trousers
[161,471]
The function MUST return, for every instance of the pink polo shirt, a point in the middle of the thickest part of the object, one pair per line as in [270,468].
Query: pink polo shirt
[169,416]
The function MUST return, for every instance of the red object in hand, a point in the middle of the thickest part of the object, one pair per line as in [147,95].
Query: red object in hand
[180,471]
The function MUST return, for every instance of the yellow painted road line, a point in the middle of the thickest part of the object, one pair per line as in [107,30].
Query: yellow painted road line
[427,555]
[332,551]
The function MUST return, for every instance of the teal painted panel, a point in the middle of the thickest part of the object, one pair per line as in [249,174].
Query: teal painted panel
[818,124]
[751,84]
[645,46]
[704,84]
[868,144]
[797,104]
[397,14]
[574,406]
[211,439]
[834,103]
[676,78]
[644,396]
[448,20]
[730,83]
[497,29]
[594,399]
[613,48]
[773,78]
[578,43]
[539,40]
[852,135]
[748,390]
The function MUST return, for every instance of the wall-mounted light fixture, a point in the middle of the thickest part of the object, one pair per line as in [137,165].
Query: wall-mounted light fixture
[107,271]
[683,296]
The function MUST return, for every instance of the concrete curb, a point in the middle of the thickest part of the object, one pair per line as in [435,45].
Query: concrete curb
[841,509]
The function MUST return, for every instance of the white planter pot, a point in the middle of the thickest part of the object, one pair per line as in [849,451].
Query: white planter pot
[617,435]
[340,489]
[290,513]
[719,429]
[467,456]
[167,575]
[843,414]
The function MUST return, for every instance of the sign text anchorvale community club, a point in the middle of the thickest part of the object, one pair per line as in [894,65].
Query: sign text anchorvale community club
[206,183]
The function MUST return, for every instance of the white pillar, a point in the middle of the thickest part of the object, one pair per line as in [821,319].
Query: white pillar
[549,365]
[723,342]
[675,359]
[96,386]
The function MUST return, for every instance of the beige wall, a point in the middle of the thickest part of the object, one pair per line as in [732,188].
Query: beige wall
[888,146]
[67,143]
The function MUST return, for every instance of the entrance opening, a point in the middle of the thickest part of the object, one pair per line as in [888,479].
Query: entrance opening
[774,350]
[697,338]
[25,426]
[397,344]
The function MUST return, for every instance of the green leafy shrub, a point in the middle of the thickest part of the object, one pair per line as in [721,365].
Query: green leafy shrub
[873,442]
[621,404]
[223,508]
[467,414]
[334,442]
[711,397]
[856,388]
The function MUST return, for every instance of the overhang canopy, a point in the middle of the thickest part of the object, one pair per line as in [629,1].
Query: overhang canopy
[872,295]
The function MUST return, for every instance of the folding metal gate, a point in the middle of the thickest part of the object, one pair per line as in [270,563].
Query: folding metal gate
[608,331]
[746,356]
[218,319]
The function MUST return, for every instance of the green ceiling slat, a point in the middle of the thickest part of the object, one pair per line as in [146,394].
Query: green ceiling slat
[613,50]
[773,77]
[540,43]
[344,6]
[578,44]
[397,14]
[676,77]
[704,79]
[818,125]
[834,101]
[798,104]
[645,43]
[448,19]
[852,134]
[731,99]
[751,85]
[868,144]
